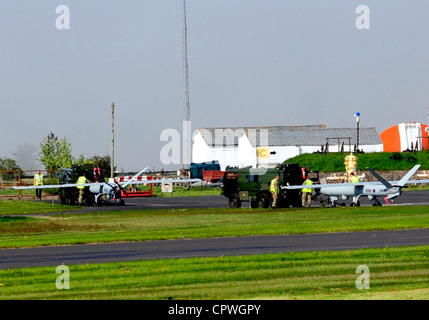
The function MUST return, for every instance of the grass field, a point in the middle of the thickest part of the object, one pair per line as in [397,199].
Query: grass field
[12,207]
[395,273]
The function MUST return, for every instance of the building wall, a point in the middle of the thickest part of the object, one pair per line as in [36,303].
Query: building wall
[246,155]
[400,137]
[242,155]
[200,150]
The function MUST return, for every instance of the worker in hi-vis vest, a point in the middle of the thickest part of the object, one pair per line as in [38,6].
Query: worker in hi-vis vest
[38,181]
[82,180]
[306,192]
[274,189]
[354,179]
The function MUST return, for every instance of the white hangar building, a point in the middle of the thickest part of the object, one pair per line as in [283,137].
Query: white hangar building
[269,146]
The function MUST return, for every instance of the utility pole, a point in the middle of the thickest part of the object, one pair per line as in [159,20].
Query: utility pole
[112,160]
[357,117]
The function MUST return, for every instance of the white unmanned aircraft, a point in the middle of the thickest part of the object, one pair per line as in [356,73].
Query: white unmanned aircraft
[104,192]
[382,188]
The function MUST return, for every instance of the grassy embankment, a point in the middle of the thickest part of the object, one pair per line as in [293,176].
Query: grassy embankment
[379,161]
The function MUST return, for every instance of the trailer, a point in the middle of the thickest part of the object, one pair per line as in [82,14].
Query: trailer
[213,175]
[196,169]
[134,193]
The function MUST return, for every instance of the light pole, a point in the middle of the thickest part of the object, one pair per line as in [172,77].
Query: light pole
[357,117]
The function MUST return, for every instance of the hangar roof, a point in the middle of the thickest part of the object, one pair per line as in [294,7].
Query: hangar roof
[314,135]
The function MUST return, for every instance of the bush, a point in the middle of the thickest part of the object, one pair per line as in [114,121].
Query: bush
[47,181]
[396,157]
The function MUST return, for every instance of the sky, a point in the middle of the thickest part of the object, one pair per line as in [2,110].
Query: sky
[251,63]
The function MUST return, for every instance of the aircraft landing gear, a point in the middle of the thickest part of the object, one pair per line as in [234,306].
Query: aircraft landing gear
[334,204]
[376,202]
[334,201]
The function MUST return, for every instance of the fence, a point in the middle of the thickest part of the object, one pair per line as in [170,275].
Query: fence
[12,178]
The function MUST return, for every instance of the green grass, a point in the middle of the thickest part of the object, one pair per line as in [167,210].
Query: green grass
[114,226]
[394,273]
[381,161]
[13,207]
[195,191]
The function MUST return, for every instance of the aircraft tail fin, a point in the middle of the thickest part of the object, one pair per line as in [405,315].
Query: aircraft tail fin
[380,178]
[407,177]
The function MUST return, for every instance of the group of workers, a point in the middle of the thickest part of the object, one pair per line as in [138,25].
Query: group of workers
[38,181]
[306,192]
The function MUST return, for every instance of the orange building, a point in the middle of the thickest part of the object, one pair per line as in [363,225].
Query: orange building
[405,136]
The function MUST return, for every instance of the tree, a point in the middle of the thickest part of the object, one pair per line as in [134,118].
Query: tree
[54,153]
[8,164]
[103,162]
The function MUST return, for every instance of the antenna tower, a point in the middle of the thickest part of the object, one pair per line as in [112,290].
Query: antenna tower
[186,105]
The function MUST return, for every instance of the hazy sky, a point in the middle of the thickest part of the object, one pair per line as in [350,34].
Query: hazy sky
[251,63]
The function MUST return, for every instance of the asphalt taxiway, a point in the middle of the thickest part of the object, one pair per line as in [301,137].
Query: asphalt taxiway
[167,249]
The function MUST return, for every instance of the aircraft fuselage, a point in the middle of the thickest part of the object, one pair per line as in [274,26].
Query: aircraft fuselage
[362,190]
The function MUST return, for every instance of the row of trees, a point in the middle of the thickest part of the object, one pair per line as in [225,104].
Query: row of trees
[56,153]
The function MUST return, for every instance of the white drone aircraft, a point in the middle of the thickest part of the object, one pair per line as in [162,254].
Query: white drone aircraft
[108,192]
[382,188]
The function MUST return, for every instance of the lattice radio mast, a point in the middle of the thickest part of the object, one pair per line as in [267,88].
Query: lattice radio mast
[187,139]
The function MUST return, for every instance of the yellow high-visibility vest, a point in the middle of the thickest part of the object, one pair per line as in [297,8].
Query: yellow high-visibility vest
[81,180]
[354,179]
[274,185]
[38,178]
[307,182]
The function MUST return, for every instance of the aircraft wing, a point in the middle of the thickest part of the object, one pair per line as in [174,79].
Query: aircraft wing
[359,184]
[315,186]
[160,181]
[412,181]
[53,186]
[74,185]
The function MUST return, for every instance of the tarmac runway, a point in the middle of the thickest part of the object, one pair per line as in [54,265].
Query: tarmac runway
[131,251]
[144,250]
